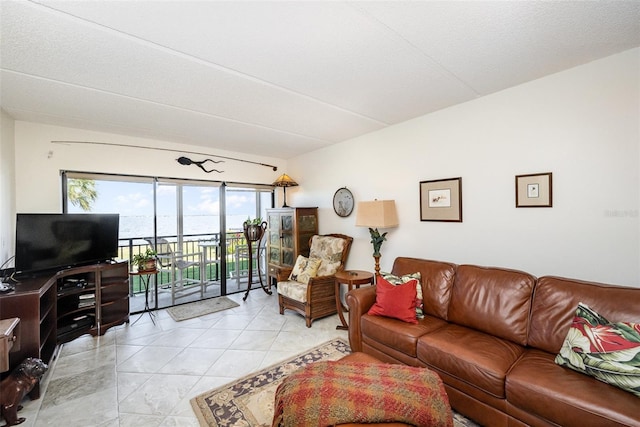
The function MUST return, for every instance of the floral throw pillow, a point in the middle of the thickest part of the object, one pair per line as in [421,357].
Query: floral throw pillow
[397,280]
[396,301]
[609,352]
[304,269]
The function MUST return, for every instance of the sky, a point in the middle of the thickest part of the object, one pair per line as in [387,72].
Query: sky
[134,200]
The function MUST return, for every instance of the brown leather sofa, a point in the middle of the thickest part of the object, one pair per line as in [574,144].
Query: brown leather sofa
[492,335]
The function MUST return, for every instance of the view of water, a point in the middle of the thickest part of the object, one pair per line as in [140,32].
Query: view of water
[142,226]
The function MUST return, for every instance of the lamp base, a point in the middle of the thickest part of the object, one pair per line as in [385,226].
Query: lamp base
[377,268]
[284,196]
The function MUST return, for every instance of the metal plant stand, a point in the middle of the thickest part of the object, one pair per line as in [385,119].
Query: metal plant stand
[254,233]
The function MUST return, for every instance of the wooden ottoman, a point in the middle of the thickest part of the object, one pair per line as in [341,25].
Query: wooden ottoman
[360,389]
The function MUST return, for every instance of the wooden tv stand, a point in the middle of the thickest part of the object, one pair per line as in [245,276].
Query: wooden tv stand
[73,302]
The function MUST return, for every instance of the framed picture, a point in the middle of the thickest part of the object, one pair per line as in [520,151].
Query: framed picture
[534,190]
[441,200]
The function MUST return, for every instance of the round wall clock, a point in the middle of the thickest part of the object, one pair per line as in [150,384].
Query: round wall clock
[343,202]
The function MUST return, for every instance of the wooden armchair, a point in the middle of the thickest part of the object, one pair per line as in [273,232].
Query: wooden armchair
[317,298]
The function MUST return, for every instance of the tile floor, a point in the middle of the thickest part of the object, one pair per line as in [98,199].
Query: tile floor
[212,289]
[144,374]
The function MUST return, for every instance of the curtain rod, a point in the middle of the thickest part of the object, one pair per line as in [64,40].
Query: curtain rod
[275,168]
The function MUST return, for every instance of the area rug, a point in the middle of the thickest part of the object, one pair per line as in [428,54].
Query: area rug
[200,308]
[249,400]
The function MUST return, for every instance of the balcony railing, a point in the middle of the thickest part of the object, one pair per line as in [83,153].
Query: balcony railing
[206,244]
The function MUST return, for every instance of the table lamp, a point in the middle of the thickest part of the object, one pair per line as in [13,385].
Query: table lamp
[377,214]
[285,181]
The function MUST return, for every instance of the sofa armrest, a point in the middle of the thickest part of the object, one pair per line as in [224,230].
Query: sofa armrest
[359,302]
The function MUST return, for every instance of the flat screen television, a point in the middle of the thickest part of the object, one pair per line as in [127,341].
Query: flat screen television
[53,242]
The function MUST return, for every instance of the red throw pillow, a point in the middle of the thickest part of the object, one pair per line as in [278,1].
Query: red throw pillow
[398,302]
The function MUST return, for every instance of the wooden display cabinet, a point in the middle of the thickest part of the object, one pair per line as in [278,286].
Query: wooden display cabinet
[288,233]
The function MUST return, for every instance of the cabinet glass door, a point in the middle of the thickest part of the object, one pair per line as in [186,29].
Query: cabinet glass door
[287,243]
[274,238]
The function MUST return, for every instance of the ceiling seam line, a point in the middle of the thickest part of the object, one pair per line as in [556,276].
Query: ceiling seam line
[138,128]
[172,106]
[417,49]
[214,65]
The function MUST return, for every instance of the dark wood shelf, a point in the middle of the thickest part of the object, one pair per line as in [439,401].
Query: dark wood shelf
[79,291]
[44,307]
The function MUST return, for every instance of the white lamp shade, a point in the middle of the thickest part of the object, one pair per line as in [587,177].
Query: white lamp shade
[377,214]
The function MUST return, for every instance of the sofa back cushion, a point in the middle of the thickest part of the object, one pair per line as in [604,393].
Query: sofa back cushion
[492,300]
[555,301]
[436,281]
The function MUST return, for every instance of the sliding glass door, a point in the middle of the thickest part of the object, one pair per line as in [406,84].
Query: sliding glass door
[132,198]
[194,226]
[243,203]
[188,241]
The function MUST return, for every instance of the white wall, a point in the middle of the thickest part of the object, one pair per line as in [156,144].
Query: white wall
[7,188]
[582,124]
[38,178]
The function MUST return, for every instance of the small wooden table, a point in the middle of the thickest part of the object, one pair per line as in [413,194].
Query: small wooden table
[351,278]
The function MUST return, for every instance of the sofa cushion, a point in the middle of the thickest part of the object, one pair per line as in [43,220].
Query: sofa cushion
[609,352]
[396,301]
[556,299]
[492,300]
[395,334]
[304,269]
[437,281]
[478,359]
[536,384]
[398,280]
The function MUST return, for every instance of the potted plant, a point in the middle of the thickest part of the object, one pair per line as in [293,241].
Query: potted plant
[145,261]
[254,228]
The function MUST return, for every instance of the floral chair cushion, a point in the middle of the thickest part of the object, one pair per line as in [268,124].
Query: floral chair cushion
[294,290]
[328,249]
[296,287]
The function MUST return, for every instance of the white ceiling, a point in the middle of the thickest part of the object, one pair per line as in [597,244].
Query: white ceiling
[281,78]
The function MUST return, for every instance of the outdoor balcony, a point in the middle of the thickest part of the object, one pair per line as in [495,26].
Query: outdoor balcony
[209,248]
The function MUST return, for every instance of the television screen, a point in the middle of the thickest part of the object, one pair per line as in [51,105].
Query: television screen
[46,242]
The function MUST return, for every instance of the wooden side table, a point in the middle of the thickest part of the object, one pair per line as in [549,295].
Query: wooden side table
[351,278]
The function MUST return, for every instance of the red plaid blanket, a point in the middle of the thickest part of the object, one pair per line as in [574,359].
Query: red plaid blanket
[329,393]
